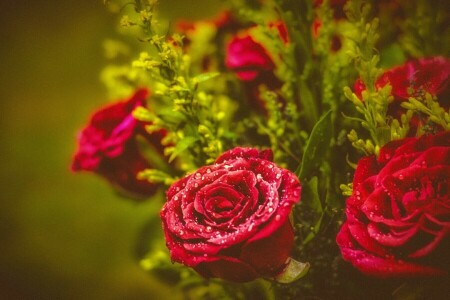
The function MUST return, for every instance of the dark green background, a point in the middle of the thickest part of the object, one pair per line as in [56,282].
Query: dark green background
[63,235]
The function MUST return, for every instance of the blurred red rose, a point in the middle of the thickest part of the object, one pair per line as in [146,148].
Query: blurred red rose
[108,147]
[398,217]
[231,220]
[248,58]
[253,63]
[413,79]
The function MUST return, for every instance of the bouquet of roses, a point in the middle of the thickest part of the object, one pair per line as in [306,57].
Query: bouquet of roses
[296,149]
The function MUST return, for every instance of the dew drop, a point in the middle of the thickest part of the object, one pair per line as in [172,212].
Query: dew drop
[401,176]
[175,198]
[270,209]
[198,175]
[259,177]
[208,229]
[278,176]
[196,184]
[270,166]
[250,227]
[208,170]
[277,218]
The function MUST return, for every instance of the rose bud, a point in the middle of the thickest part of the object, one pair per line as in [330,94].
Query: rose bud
[231,219]
[398,217]
[108,147]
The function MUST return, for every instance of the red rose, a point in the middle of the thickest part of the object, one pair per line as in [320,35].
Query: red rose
[253,64]
[108,146]
[414,78]
[248,58]
[230,220]
[398,217]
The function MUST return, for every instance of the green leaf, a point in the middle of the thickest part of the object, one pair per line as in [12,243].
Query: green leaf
[316,147]
[293,271]
[308,102]
[205,76]
[182,146]
[311,198]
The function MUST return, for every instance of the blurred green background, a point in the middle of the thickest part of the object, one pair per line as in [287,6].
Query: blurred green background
[63,235]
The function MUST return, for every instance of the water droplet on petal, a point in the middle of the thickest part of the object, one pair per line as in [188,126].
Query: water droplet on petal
[208,229]
[277,218]
[401,176]
[198,175]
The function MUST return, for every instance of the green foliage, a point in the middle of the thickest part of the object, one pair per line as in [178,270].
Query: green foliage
[424,20]
[317,147]
[305,120]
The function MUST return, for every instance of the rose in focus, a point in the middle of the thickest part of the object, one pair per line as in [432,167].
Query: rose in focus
[108,146]
[231,220]
[398,217]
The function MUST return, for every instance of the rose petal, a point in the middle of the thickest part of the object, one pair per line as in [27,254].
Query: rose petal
[268,256]
[227,268]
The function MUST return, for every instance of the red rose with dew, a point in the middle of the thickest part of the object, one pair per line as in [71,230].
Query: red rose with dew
[108,147]
[231,219]
[398,217]
[414,79]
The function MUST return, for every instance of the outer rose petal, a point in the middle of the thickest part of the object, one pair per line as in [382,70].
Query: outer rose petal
[379,266]
[227,268]
[366,168]
[260,252]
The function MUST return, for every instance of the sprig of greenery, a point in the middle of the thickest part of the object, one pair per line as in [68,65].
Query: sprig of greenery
[374,102]
[196,124]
